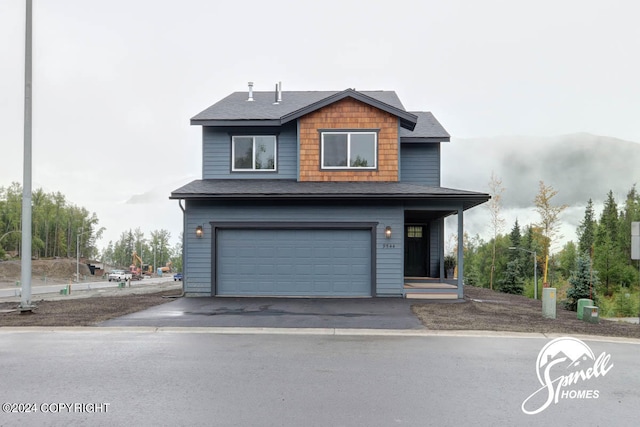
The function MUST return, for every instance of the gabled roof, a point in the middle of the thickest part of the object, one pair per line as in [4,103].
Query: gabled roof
[274,189]
[236,110]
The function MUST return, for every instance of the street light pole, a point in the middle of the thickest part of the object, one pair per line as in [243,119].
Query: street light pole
[25,263]
[535,268]
[78,257]
[535,275]
[80,233]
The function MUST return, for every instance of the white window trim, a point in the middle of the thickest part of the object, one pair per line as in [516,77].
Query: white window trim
[253,160]
[348,166]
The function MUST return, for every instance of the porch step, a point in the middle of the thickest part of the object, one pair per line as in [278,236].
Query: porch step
[432,296]
[428,285]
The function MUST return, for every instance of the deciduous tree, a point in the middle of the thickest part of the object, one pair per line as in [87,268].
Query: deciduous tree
[497,221]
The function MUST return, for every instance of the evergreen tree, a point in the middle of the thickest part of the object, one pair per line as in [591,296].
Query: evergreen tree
[586,230]
[582,283]
[511,281]
[516,241]
[608,257]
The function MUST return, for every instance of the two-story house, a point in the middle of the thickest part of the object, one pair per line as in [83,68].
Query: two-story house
[319,194]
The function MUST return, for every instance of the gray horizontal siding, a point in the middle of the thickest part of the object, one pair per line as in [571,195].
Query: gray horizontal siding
[420,163]
[390,260]
[216,152]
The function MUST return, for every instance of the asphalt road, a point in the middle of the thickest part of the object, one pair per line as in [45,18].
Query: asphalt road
[194,377]
[82,289]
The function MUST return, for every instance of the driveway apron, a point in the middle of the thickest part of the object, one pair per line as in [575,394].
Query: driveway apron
[367,313]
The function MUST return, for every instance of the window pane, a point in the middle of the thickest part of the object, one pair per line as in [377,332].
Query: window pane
[335,149]
[265,152]
[363,150]
[414,231]
[243,153]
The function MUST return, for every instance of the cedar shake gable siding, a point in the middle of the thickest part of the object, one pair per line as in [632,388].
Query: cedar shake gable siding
[349,114]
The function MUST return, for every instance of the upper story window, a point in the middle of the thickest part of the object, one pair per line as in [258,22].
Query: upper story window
[349,150]
[253,153]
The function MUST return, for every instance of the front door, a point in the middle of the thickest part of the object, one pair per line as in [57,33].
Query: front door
[415,251]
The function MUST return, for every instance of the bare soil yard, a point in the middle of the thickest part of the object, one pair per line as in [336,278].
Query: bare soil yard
[481,309]
[81,311]
[487,310]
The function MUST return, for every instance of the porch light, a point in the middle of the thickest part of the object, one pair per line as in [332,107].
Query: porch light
[199,231]
[387,232]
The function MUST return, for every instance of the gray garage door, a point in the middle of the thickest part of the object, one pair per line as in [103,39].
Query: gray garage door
[294,262]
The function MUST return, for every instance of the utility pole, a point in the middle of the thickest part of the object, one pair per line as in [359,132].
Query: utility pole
[25,275]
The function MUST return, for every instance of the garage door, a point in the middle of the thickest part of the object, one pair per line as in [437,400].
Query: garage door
[293,262]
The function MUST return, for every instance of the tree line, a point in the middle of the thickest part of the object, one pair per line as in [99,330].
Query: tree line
[598,265]
[58,226]
[154,251]
[62,229]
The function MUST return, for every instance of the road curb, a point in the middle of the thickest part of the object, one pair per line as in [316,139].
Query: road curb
[311,331]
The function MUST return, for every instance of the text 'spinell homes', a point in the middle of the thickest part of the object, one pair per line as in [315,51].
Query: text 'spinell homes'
[319,194]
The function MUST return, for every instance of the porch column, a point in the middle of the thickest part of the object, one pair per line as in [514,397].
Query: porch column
[441,250]
[460,253]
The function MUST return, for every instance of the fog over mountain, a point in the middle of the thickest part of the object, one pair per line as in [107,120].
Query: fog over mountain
[580,166]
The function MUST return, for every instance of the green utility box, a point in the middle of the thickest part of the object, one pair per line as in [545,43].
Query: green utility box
[590,314]
[581,304]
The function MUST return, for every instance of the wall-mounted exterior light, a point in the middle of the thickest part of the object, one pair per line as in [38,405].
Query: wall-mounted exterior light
[387,232]
[199,231]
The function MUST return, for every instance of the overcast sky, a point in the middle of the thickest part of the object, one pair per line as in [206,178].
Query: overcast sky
[116,82]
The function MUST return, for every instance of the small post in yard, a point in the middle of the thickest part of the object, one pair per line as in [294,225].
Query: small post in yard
[549,303]
[635,251]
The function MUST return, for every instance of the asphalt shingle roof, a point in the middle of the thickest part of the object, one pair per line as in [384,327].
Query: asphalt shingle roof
[208,189]
[426,127]
[236,108]
[263,107]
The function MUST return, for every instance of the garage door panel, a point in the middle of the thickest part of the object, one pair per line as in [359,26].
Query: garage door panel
[293,262]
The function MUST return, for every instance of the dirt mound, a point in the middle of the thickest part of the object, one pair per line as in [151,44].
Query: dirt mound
[62,268]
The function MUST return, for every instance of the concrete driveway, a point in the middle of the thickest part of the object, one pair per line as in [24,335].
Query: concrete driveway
[368,313]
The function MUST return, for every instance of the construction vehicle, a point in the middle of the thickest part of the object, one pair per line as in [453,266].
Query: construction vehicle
[166,268]
[139,268]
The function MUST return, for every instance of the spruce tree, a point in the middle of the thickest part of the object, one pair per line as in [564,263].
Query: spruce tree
[582,283]
[516,240]
[511,281]
[586,230]
[607,254]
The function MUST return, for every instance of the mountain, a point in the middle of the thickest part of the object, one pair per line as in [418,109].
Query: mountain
[580,166]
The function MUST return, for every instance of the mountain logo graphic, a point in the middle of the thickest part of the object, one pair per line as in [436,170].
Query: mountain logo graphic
[564,362]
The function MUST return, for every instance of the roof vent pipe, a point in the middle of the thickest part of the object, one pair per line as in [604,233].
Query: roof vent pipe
[279,91]
[276,95]
[250,91]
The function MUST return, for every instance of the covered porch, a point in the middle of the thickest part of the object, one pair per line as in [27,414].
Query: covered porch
[428,274]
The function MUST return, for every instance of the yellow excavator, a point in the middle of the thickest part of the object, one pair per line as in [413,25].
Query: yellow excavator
[138,268]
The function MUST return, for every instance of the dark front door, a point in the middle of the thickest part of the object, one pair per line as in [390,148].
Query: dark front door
[415,251]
